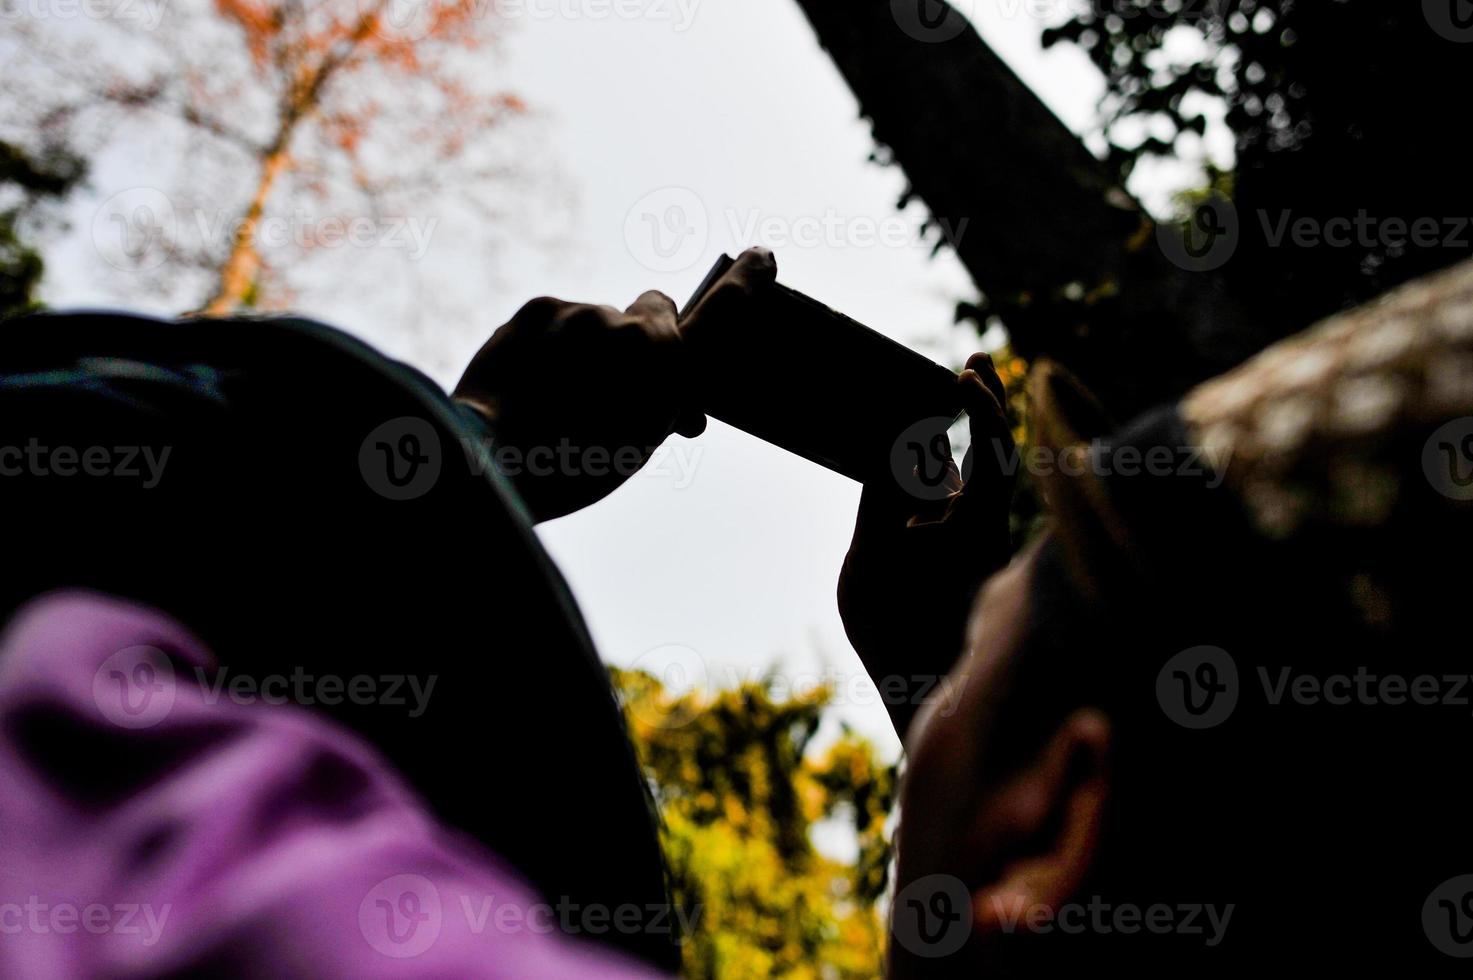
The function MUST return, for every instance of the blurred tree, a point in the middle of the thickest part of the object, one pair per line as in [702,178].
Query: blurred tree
[741,788]
[309,120]
[26,183]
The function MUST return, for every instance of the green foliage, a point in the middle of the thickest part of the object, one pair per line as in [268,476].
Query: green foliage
[20,268]
[51,175]
[741,786]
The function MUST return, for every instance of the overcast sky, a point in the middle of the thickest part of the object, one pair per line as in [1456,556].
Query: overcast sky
[714,124]
[743,112]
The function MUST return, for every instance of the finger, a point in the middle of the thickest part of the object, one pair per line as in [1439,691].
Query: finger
[754,268]
[953,478]
[992,436]
[541,310]
[985,415]
[982,363]
[659,312]
[586,319]
[656,309]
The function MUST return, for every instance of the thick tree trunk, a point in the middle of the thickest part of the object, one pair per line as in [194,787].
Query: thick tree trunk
[242,266]
[239,272]
[1059,250]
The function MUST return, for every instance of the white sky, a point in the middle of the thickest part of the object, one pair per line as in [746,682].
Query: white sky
[739,116]
[746,110]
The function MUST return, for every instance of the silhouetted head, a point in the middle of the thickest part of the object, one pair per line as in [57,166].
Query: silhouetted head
[309,508]
[1214,718]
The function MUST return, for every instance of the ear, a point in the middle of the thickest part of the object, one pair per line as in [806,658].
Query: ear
[1043,827]
[1067,418]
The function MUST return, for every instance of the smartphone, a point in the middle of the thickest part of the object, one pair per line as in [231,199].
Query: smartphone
[804,377]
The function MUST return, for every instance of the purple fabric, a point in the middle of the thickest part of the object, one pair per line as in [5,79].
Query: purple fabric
[147,826]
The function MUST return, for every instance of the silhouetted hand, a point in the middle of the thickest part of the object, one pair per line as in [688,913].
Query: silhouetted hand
[914,566]
[578,397]
[730,298]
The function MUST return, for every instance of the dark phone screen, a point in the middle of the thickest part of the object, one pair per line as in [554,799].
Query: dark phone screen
[804,377]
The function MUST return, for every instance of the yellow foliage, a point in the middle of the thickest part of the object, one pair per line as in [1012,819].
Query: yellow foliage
[740,787]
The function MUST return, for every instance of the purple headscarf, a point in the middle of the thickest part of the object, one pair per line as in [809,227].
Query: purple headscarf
[152,824]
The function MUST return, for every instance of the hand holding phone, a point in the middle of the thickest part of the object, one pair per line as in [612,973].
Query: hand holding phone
[797,374]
